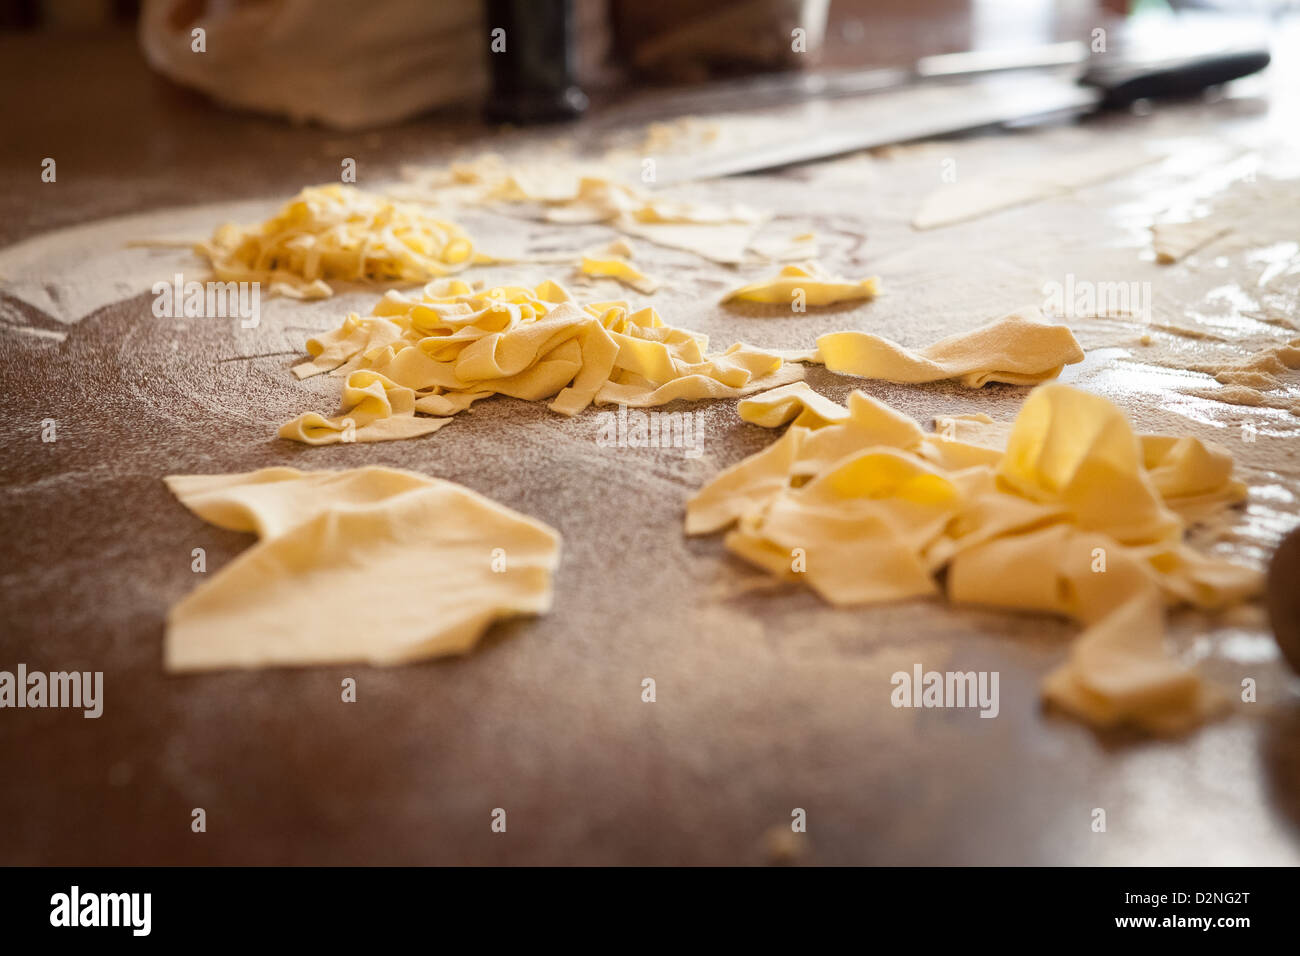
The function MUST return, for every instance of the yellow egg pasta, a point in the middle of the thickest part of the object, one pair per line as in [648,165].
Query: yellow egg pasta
[804,283]
[338,232]
[1018,349]
[371,564]
[459,342]
[1064,511]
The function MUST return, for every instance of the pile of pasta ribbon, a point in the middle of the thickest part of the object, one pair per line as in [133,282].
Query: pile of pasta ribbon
[458,342]
[1066,510]
[338,232]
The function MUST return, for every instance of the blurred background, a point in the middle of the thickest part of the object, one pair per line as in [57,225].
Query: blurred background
[350,66]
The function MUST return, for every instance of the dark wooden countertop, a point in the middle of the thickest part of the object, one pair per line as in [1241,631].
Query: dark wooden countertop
[767,701]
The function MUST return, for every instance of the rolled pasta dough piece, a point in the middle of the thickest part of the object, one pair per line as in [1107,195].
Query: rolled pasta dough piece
[806,278]
[1018,349]
[371,564]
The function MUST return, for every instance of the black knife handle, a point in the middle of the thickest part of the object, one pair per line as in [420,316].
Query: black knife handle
[1122,83]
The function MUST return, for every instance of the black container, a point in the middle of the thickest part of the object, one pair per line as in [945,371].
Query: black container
[533,78]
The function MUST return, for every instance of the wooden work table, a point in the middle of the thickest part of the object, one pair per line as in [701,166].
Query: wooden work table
[768,699]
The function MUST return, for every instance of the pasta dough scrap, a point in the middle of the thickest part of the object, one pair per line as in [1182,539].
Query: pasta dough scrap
[796,402]
[458,343]
[1266,370]
[371,564]
[338,232]
[817,287]
[613,262]
[1118,672]
[378,409]
[973,197]
[1193,477]
[1064,511]
[722,242]
[590,193]
[798,248]
[1076,452]
[1018,349]
[1178,240]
